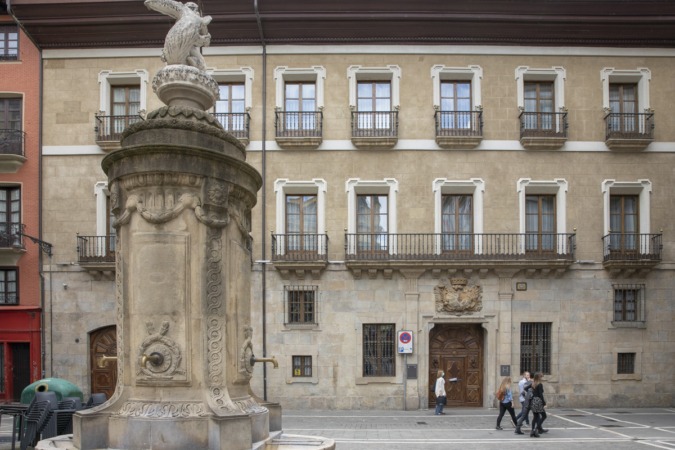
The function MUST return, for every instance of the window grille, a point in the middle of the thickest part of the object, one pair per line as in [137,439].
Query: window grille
[535,347]
[302,366]
[625,363]
[379,350]
[301,304]
[628,302]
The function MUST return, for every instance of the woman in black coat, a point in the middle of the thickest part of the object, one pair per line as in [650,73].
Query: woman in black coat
[537,405]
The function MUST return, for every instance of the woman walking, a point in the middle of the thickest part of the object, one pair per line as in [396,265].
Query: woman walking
[440,393]
[537,405]
[505,398]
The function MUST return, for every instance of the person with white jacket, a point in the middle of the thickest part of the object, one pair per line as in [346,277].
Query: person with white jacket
[441,398]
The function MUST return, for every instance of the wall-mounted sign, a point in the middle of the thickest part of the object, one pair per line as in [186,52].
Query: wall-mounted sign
[405,341]
[521,286]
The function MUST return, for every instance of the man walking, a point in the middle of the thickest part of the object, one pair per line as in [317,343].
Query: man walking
[440,393]
[525,378]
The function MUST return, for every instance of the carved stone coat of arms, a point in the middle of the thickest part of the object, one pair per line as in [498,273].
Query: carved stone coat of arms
[457,298]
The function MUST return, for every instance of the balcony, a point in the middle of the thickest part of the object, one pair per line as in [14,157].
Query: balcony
[459,129]
[625,131]
[11,243]
[300,253]
[12,144]
[302,130]
[451,251]
[631,251]
[109,130]
[374,129]
[96,253]
[237,124]
[543,131]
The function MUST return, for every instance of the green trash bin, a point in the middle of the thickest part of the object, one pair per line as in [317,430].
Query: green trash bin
[62,388]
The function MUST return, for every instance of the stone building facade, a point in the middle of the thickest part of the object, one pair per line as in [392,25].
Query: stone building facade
[477,209]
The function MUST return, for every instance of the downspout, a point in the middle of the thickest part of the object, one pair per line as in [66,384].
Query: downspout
[263,240]
[43,339]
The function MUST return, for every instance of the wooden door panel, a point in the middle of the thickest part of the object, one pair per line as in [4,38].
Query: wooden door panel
[103,342]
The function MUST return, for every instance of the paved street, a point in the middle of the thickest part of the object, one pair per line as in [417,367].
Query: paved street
[474,428]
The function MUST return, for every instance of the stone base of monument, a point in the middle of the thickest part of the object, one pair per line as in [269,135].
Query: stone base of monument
[276,441]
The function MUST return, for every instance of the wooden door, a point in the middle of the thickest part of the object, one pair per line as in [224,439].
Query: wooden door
[103,342]
[458,351]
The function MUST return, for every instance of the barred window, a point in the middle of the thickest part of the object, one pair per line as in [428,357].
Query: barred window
[301,304]
[302,366]
[9,287]
[379,347]
[628,300]
[535,347]
[625,363]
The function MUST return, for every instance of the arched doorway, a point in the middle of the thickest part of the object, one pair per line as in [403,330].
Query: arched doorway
[103,342]
[458,351]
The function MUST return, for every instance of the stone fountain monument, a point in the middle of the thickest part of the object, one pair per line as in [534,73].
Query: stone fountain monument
[182,195]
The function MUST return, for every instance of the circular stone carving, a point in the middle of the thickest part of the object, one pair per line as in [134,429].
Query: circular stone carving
[179,85]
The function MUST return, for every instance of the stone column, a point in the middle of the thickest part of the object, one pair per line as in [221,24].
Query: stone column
[182,195]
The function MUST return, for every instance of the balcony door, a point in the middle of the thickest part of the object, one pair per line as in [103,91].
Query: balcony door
[455,105]
[624,222]
[372,217]
[125,106]
[539,105]
[301,224]
[300,106]
[10,216]
[457,223]
[10,126]
[623,103]
[374,105]
[230,109]
[540,223]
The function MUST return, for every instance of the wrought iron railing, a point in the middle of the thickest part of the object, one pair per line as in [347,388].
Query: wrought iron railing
[299,247]
[632,246]
[11,235]
[459,123]
[459,246]
[110,128]
[9,56]
[629,126]
[237,124]
[298,124]
[543,124]
[375,124]
[12,142]
[96,249]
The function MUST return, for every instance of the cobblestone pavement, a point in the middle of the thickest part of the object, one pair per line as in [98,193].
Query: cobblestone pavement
[474,429]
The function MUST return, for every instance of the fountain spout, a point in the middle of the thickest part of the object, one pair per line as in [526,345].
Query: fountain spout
[273,360]
[154,358]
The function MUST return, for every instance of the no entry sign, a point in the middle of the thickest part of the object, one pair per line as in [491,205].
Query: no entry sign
[405,341]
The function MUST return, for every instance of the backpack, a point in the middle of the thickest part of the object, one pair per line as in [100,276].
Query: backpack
[527,395]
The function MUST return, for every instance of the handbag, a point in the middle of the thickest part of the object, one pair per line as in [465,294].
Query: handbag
[442,400]
[537,405]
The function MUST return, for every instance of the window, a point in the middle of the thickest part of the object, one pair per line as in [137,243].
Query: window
[371,223]
[103,243]
[9,287]
[623,107]
[300,106]
[629,302]
[535,346]
[371,215]
[539,105]
[9,42]
[2,367]
[301,304]
[125,106]
[300,220]
[543,215]
[379,350]
[374,101]
[625,363]
[455,105]
[540,222]
[10,114]
[10,216]
[302,366]
[230,109]
[374,105]
[457,222]
[624,222]
[122,101]
[631,86]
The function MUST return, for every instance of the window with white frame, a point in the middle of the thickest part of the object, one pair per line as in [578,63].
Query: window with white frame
[457,97]
[299,98]
[105,239]
[625,87]
[543,216]
[374,99]
[236,89]
[371,215]
[541,97]
[626,211]
[458,215]
[122,101]
[301,222]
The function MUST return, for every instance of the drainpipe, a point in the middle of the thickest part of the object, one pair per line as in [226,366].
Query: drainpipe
[263,240]
[40,258]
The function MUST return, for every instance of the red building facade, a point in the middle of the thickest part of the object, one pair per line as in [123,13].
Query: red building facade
[21,303]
